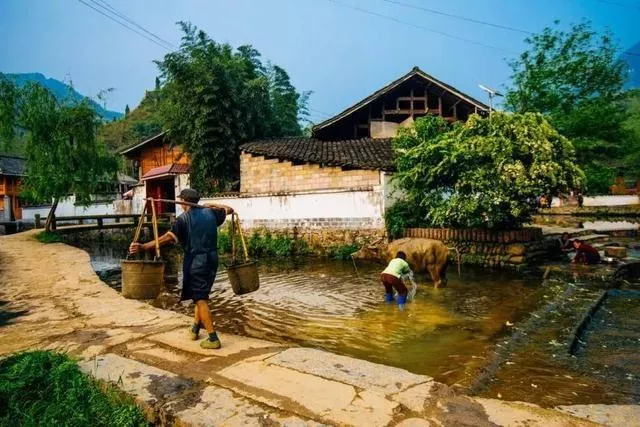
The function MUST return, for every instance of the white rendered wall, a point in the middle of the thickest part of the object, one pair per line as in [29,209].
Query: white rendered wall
[337,209]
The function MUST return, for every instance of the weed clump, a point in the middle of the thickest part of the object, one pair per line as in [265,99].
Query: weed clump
[48,237]
[41,388]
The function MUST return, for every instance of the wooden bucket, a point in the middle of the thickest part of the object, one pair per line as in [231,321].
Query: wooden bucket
[142,279]
[242,275]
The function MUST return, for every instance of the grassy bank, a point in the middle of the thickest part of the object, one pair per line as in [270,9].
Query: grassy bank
[44,389]
[48,237]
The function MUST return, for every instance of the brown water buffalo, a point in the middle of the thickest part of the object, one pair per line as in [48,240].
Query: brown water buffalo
[426,255]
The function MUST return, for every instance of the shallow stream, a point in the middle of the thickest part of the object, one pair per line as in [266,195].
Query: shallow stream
[494,333]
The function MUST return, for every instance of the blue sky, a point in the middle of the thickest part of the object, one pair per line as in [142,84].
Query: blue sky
[339,53]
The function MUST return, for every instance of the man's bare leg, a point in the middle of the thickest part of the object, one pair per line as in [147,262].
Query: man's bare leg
[196,315]
[204,314]
[194,330]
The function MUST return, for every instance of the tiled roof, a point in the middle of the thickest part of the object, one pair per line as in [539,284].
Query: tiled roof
[366,153]
[12,165]
[170,169]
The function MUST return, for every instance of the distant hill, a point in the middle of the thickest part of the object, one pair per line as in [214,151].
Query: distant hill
[61,91]
[634,65]
[142,122]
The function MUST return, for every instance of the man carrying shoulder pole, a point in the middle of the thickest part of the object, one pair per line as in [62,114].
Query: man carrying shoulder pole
[197,231]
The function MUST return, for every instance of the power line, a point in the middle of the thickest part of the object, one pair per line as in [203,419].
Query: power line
[322,113]
[462,18]
[124,25]
[399,21]
[131,21]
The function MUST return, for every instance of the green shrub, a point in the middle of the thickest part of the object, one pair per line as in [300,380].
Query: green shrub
[43,388]
[48,237]
[265,244]
[343,252]
[486,172]
[403,215]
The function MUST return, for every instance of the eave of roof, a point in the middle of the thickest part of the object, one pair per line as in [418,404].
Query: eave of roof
[166,170]
[365,153]
[143,143]
[415,71]
[19,165]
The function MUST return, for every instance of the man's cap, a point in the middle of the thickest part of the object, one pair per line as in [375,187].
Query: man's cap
[190,195]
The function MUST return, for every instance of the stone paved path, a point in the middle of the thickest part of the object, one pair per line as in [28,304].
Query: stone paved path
[50,298]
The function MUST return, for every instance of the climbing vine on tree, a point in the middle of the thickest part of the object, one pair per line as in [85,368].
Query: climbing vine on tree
[486,172]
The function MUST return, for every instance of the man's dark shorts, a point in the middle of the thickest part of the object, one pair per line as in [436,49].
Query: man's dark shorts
[198,274]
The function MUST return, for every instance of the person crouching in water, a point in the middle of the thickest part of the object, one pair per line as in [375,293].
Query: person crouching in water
[585,254]
[391,278]
[197,231]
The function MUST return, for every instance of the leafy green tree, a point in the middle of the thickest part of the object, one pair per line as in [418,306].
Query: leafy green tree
[215,98]
[126,110]
[632,125]
[9,94]
[289,106]
[486,172]
[62,151]
[576,79]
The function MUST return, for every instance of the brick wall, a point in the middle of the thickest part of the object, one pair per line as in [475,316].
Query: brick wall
[260,175]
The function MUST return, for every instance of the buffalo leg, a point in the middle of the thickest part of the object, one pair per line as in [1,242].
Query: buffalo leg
[435,275]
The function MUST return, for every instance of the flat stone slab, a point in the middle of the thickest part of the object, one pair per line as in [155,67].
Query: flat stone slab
[371,376]
[330,400]
[162,354]
[231,344]
[220,407]
[608,415]
[417,397]
[504,413]
[414,422]
[146,383]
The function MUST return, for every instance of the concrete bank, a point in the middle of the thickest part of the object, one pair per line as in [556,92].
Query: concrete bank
[50,298]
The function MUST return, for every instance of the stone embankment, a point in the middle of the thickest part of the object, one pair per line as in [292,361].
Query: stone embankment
[50,298]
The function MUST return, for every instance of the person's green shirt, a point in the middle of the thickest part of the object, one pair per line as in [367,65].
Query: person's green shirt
[397,268]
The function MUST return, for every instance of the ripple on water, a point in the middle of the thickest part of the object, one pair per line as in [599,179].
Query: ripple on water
[447,333]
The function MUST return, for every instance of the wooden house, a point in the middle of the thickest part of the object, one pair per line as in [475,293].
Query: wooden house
[12,171]
[162,169]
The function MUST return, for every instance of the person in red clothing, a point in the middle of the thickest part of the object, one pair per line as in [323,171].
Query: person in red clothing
[585,254]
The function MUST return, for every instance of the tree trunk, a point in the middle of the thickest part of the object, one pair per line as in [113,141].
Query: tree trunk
[52,214]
